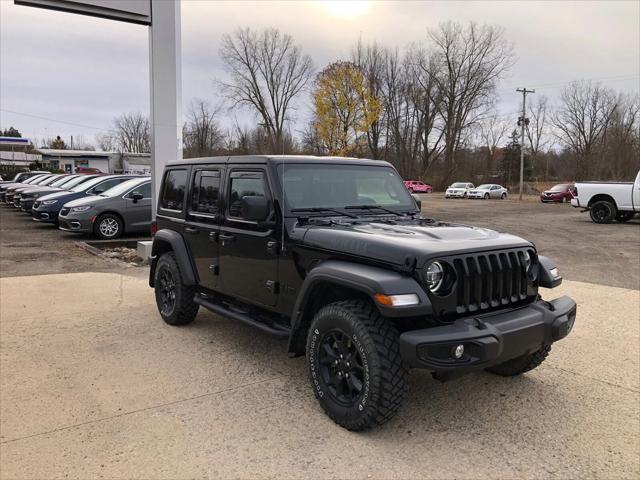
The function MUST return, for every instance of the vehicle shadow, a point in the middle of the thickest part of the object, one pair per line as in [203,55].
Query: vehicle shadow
[473,405]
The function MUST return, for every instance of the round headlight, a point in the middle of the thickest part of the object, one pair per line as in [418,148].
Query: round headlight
[527,260]
[434,276]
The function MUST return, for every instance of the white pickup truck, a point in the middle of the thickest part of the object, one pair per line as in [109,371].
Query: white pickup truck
[608,201]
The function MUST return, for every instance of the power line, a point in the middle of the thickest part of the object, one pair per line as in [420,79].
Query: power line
[56,121]
[626,77]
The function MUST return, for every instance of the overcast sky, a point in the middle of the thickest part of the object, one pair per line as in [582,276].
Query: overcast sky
[84,71]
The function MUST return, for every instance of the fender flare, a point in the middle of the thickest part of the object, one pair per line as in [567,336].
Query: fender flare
[179,247]
[366,279]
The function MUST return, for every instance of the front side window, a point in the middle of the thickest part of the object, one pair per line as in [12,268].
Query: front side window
[205,192]
[173,190]
[244,184]
[339,186]
[144,190]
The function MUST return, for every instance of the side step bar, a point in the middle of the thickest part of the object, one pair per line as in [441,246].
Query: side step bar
[277,331]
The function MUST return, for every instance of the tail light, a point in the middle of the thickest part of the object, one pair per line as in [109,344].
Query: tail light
[154,227]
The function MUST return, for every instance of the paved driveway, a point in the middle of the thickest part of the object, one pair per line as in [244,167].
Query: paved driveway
[90,389]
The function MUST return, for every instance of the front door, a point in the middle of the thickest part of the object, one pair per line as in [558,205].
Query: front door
[203,221]
[248,249]
[138,218]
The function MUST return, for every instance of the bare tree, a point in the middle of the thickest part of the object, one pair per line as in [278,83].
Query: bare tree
[371,61]
[202,135]
[621,141]
[267,72]
[582,119]
[471,60]
[107,142]
[132,133]
[492,131]
[536,130]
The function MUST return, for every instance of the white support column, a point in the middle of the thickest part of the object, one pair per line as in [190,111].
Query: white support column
[165,88]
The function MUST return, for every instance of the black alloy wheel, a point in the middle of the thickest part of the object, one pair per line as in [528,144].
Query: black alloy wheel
[167,292]
[341,367]
[602,212]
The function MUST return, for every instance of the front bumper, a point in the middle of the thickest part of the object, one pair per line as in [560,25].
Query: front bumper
[489,339]
[75,224]
[455,194]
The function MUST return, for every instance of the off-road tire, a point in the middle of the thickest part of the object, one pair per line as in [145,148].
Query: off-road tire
[623,217]
[184,309]
[603,211]
[100,230]
[521,364]
[376,341]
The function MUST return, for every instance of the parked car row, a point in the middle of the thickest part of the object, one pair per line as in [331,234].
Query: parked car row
[102,205]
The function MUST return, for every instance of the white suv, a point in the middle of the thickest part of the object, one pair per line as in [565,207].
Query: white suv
[458,190]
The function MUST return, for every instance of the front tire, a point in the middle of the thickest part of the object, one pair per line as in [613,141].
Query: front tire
[354,363]
[486,196]
[522,364]
[108,227]
[603,211]
[173,298]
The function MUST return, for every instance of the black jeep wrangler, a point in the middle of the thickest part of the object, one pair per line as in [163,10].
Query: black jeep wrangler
[334,255]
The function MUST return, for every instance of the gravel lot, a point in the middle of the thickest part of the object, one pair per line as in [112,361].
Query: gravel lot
[94,385]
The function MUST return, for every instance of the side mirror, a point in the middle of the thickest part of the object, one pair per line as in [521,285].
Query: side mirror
[255,209]
[136,196]
[418,200]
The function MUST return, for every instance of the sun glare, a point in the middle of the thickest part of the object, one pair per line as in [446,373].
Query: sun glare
[345,8]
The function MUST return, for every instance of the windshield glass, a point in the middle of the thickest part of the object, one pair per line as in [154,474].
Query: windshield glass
[75,181]
[486,186]
[122,188]
[86,185]
[60,181]
[459,185]
[339,186]
[559,188]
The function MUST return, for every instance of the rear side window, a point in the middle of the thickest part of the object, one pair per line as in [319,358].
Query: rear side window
[205,192]
[173,190]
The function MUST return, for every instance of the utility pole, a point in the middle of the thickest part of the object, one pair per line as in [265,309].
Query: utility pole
[522,122]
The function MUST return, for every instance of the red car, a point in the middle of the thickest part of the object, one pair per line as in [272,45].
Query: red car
[561,193]
[416,186]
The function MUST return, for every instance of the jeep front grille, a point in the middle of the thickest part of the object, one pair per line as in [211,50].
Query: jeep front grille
[487,281]
[490,280]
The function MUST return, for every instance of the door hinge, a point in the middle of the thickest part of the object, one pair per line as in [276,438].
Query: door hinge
[214,269]
[273,286]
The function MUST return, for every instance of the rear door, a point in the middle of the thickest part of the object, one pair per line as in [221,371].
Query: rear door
[248,249]
[138,212]
[203,222]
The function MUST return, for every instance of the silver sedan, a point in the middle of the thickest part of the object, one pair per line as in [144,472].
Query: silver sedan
[487,191]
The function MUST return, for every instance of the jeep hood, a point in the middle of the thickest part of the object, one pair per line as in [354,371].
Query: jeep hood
[394,243]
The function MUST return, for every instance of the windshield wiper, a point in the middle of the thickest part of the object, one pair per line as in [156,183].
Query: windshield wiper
[372,207]
[322,209]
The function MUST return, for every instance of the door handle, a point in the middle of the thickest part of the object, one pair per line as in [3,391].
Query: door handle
[226,238]
[191,230]
[213,236]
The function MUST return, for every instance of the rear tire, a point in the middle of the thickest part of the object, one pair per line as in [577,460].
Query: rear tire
[522,364]
[603,211]
[173,298]
[354,364]
[108,227]
[623,217]
[503,196]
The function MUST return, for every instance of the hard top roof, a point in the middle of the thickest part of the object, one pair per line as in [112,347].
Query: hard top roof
[278,159]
